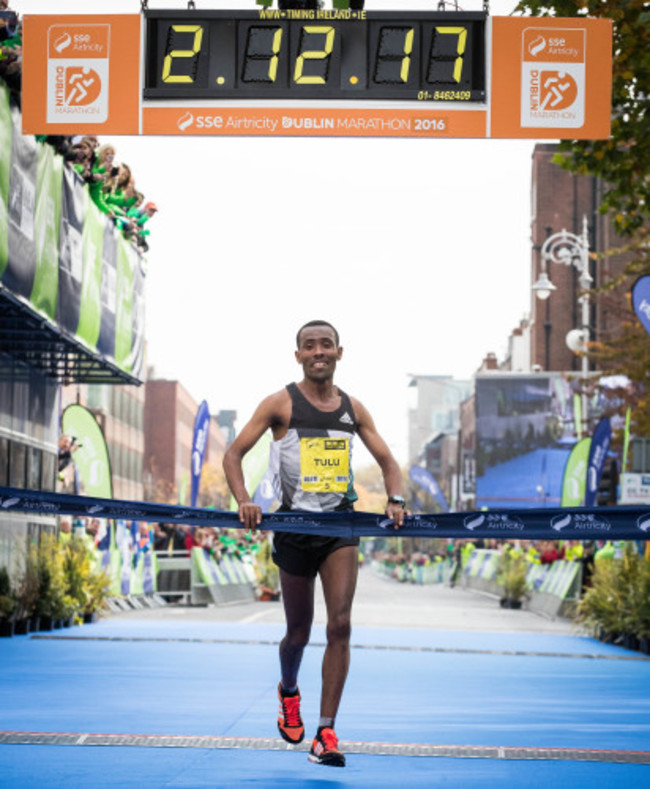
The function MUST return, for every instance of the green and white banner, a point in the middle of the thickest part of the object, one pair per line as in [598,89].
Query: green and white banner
[574,484]
[64,259]
[91,460]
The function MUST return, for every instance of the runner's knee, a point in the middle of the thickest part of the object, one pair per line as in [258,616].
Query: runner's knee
[339,629]
[297,636]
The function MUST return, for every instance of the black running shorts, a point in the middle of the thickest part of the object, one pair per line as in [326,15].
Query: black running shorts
[303,554]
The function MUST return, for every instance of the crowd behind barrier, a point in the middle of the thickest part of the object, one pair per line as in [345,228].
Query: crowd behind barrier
[175,562]
[111,183]
[556,572]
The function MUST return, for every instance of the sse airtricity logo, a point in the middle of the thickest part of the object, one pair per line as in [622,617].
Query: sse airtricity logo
[185,121]
[579,522]
[537,46]
[493,522]
[643,523]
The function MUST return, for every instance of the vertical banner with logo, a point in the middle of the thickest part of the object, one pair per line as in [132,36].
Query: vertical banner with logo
[600,442]
[6,132]
[641,300]
[47,225]
[543,83]
[574,482]
[70,252]
[19,273]
[92,239]
[422,477]
[108,297]
[127,265]
[199,445]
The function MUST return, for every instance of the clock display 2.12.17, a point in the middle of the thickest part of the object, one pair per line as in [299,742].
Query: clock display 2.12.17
[436,56]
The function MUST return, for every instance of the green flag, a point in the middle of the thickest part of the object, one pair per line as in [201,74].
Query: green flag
[626,438]
[254,465]
[574,483]
[91,458]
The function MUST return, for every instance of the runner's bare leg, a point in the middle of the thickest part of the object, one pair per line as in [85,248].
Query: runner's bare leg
[298,599]
[339,578]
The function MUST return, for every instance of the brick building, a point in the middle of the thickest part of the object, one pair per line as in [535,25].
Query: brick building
[169,415]
[559,200]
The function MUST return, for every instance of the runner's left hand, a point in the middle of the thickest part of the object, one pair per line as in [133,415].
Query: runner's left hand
[396,513]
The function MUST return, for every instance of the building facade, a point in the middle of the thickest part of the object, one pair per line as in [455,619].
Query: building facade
[560,200]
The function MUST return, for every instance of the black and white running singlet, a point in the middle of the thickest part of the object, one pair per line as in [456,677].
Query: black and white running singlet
[311,465]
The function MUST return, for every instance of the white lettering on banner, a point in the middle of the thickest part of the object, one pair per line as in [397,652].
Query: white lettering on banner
[307,123]
[552,79]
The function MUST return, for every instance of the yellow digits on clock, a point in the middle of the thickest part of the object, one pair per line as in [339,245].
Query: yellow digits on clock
[167,76]
[461,32]
[314,54]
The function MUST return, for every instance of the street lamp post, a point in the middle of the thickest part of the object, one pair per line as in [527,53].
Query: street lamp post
[570,249]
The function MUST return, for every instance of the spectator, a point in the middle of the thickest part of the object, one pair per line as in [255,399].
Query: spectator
[171,538]
[65,530]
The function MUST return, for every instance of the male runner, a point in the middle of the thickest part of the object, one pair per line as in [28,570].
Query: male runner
[313,424]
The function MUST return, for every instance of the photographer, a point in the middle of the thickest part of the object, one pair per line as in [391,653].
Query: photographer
[67,445]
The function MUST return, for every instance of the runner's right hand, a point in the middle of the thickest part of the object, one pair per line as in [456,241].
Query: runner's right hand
[250,515]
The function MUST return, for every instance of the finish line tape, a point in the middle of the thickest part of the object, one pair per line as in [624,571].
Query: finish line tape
[575,523]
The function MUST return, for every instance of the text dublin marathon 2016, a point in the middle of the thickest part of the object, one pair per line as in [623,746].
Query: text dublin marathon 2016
[579,523]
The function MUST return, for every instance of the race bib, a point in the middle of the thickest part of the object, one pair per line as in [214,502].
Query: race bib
[325,464]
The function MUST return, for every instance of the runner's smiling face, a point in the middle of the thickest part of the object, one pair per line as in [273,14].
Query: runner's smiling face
[318,352]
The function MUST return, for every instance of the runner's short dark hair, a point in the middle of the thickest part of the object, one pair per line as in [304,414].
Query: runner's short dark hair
[317,323]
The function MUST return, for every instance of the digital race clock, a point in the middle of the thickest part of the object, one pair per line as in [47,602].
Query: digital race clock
[300,54]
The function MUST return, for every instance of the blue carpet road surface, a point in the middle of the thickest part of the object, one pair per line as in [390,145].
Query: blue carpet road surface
[578,710]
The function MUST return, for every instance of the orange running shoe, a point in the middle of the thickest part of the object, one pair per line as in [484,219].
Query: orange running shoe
[325,749]
[290,723]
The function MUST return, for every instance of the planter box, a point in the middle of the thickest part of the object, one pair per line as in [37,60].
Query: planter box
[21,627]
[91,617]
[7,628]
[505,602]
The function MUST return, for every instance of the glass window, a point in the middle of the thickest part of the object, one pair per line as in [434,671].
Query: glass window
[4,461]
[48,471]
[17,463]
[34,463]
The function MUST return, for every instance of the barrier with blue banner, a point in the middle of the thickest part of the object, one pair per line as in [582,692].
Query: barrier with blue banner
[224,581]
[550,585]
[578,523]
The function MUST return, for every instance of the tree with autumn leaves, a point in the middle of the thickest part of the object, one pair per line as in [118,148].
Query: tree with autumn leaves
[623,164]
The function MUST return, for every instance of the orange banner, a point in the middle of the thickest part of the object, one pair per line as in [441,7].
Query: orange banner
[551,78]
[81,74]
[309,122]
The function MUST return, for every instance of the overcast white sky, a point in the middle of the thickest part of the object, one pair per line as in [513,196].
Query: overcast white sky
[417,250]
